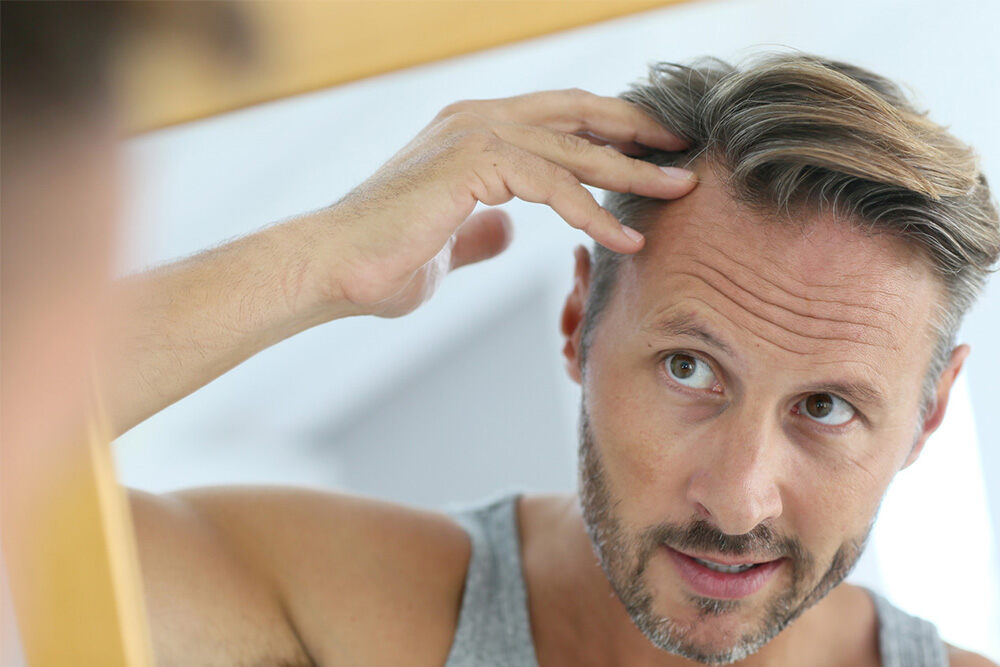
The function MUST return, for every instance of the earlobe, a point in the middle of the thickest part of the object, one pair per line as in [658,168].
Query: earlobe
[935,415]
[571,323]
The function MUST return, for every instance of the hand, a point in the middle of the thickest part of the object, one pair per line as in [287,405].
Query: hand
[401,231]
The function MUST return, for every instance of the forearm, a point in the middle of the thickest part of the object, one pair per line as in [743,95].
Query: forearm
[180,326]
[384,248]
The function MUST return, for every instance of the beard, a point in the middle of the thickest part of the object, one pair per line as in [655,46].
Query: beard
[624,558]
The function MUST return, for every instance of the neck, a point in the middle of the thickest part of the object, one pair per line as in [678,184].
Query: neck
[577,618]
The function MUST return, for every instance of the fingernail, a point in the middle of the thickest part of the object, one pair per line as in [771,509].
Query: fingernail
[679,174]
[632,234]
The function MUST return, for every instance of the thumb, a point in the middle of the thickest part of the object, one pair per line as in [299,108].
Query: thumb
[483,235]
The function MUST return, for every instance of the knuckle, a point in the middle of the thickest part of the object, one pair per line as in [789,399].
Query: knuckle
[574,221]
[611,153]
[479,140]
[584,100]
[572,144]
[583,221]
[455,108]
[552,187]
[563,179]
[564,193]
[468,132]
[608,158]
[463,120]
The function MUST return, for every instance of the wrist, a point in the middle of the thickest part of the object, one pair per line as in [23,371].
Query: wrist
[314,255]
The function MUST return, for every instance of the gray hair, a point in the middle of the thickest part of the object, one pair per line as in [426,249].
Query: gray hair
[793,134]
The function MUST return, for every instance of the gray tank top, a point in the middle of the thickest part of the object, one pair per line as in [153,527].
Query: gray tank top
[493,627]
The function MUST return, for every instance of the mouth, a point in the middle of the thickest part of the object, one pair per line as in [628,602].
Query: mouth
[720,579]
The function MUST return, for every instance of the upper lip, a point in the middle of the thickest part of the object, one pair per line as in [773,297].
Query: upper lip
[725,560]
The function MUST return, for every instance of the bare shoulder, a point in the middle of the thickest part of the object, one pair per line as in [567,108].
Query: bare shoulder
[845,627]
[351,580]
[961,658]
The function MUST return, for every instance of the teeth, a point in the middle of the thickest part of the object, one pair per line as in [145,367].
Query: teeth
[729,569]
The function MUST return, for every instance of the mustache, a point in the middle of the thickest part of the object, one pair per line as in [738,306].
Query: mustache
[761,544]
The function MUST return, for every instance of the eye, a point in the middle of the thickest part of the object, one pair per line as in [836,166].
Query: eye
[690,371]
[825,409]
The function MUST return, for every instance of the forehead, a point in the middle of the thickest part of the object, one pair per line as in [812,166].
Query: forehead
[810,292]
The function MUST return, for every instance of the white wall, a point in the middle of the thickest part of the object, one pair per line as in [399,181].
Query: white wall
[467,396]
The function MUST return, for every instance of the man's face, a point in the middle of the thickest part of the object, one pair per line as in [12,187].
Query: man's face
[750,391]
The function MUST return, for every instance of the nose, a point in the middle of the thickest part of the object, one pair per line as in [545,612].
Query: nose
[735,482]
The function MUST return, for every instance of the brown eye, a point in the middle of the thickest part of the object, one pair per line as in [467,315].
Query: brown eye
[819,405]
[690,371]
[682,366]
[826,409]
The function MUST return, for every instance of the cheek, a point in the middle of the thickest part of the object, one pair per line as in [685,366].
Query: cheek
[833,499]
[638,437]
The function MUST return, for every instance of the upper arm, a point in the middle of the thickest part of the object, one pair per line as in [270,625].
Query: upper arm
[206,604]
[353,581]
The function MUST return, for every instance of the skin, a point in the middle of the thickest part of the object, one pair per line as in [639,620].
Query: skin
[240,576]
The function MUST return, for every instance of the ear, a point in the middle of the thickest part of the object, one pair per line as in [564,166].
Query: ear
[940,400]
[571,323]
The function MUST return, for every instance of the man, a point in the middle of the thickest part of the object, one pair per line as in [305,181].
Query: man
[755,367]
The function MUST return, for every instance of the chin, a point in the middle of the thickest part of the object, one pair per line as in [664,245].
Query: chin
[713,632]
[711,639]
[707,630]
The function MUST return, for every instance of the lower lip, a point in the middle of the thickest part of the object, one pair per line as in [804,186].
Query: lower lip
[722,585]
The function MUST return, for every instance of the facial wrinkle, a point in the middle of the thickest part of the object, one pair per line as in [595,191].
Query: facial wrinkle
[784,329]
[747,329]
[867,365]
[836,322]
[755,274]
[813,328]
[855,460]
[879,292]
[813,319]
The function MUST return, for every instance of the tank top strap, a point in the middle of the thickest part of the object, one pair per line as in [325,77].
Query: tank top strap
[493,626]
[905,640]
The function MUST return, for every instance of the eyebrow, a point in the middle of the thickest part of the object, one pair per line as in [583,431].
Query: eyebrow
[689,324]
[857,392]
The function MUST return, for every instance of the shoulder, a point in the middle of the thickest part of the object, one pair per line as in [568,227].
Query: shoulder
[960,658]
[362,581]
[956,657]
[848,619]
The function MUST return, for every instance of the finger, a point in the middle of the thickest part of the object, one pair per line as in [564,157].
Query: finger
[577,110]
[628,148]
[520,173]
[483,235]
[600,166]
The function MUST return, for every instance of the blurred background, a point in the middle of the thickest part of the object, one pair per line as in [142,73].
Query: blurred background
[467,397]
